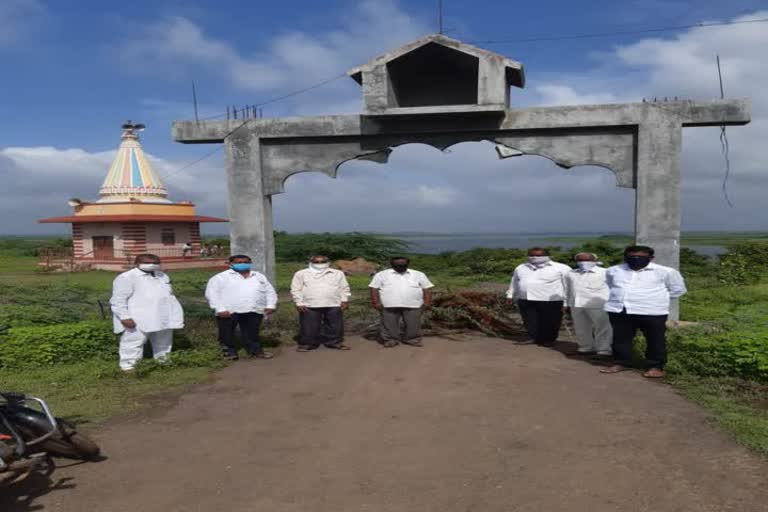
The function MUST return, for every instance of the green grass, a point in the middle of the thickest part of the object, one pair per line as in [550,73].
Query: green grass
[94,390]
[738,407]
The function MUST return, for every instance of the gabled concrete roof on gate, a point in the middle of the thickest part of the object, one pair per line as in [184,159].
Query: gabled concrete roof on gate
[514,69]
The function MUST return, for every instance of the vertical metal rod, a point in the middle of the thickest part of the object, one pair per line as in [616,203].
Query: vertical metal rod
[194,100]
[440,16]
[720,76]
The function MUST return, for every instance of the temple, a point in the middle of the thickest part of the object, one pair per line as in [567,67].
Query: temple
[132,216]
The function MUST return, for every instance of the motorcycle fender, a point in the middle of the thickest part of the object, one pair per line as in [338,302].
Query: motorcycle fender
[34,420]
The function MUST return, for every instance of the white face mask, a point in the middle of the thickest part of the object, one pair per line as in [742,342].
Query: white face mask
[586,265]
[319,267]
[149,267]
[538,261]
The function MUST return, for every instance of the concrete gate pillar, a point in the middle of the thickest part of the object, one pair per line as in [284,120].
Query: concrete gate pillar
[250,210]
[657,192]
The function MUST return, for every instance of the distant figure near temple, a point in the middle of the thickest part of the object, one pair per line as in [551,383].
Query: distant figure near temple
[133,216]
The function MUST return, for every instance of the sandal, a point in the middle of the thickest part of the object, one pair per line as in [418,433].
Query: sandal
[654,373]
[617,368]
[390,344]
[338,346]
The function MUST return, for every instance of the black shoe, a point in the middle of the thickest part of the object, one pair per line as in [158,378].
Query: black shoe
[414,343]
[230,356]
[305,348]
[261,355]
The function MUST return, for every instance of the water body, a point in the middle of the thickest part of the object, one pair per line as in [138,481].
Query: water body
[436,243]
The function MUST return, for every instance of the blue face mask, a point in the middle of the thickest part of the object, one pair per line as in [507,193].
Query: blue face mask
[241,267]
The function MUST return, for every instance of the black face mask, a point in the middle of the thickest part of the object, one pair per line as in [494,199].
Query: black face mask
[400,268]
[637,262]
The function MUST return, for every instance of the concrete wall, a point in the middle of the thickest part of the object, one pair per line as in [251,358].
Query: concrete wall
[109,229]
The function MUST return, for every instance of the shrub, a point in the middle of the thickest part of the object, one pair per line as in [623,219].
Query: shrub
[720,353]
[744,262]
[52,344]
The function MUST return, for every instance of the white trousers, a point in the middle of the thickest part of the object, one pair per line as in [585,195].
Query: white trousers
[593,330]
[132,346]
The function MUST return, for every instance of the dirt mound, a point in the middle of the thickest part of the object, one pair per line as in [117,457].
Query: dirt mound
[357,267]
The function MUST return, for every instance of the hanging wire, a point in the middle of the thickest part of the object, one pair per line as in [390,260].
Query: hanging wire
[724,146]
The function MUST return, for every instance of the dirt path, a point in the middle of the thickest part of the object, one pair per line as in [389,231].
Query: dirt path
[471,425]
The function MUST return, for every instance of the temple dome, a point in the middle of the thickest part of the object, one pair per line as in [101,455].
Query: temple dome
[131,177]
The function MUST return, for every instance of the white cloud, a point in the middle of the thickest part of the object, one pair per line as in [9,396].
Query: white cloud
[291,60]
[556,94]
[18,17]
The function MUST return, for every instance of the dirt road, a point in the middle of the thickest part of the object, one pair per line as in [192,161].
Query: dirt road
[470,425]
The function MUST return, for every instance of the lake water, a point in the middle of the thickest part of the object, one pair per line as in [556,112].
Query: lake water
[435,244]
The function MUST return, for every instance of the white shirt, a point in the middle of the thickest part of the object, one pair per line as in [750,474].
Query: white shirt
[230,291]
[586,288]
[398,290]
[325,289]
[147,299]
[545,283]
[643,292]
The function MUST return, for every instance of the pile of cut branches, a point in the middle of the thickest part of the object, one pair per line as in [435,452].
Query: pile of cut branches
[486,312]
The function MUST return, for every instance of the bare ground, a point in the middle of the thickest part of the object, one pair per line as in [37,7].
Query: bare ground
[472,424]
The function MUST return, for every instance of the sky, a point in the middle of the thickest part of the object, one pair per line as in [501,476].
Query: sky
[73,72]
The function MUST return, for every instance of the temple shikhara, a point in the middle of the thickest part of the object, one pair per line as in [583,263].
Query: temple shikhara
[133,215]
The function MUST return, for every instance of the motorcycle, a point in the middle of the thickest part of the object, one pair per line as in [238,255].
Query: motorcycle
[29,437]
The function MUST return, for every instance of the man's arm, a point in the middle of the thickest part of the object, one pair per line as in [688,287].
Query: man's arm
[675,284]
[271,296]
[375,298]
[122,289]
[213,296]
[297,287]
[346,293]
[427,298]
[513,287]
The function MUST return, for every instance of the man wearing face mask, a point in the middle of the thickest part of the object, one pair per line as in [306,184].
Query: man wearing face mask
[321,294]
[241,296]
[640,295]
[400,294]
[586,293]
[538,286]
[144,308]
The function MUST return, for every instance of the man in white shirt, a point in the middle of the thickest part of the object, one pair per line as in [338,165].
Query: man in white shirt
[640,295]
[586,295]
[400,294]
[144,307]
[538,286]
[241,296]
[321,295]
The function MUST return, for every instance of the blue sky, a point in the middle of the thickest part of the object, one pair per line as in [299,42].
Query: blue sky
[75,71]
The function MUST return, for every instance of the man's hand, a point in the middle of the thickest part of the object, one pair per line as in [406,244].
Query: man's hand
[301,309]
[269,311]
[128,323]
[224,314]
[377,305]
[344,306]
[427,306]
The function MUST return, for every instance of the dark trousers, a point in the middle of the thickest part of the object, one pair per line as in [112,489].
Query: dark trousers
[249,332]
[541,319]
[321,325]
[400,324]
[653,327]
